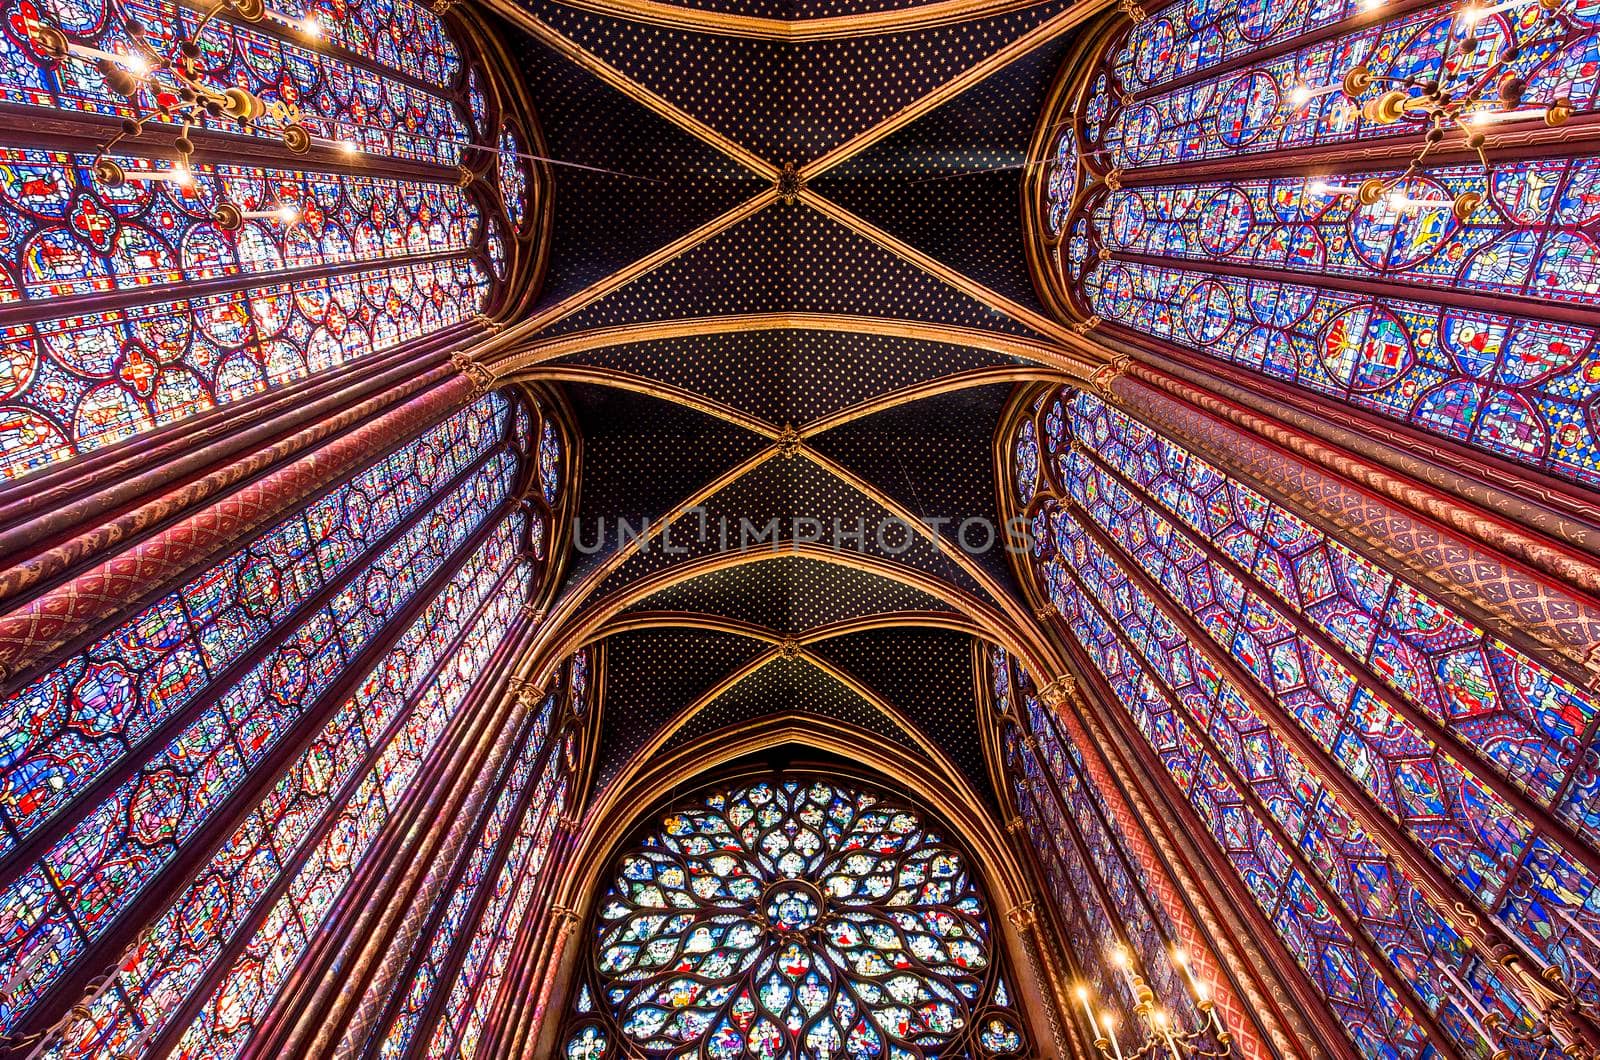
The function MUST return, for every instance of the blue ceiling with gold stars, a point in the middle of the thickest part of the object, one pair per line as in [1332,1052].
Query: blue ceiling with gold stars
[727,347]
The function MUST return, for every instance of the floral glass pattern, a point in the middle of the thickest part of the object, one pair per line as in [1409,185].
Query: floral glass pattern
[1198,217]
[795,918]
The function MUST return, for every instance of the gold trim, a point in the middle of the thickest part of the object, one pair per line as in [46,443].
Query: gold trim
[949,550]
[577,624]
[510,361]
[1061,108]
[530,23]
[579,593]
[1075,15]
[637,620]
[633,794]
[960,281]
[537,322]
[639,384]
[946,384]
[831,27]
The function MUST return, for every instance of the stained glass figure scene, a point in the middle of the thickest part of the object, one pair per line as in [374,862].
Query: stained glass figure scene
[1294,688]
[140,293]
[1205,198]
[794,918]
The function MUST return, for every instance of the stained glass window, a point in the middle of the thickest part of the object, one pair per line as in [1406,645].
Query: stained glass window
[1216,201]
[123,840]
[1104,897]
[144,301]
[83,716]
[328,806]
[1262,659]
[794,918]
[513,172]
[192,694]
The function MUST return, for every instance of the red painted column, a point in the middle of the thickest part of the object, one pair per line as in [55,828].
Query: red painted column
[31,633]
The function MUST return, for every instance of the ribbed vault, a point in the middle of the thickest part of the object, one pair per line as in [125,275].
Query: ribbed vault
[795,345]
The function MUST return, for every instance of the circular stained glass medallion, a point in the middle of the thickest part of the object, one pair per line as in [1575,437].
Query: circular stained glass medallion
[797,919]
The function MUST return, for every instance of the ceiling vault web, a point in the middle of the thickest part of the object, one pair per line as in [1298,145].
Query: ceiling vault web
[1075,15]
[981,337]
[778,653]
[569,628]
[640,384]
[524,19]
[537,322]
[827,27]
[955,278]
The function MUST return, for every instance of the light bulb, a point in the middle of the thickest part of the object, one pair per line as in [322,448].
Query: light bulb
[311,27]
[136,64]
[288,215]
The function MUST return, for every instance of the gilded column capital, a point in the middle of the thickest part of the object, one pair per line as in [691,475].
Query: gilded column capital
[1024,916]
[1057,692]
[480,376]
[1107,374]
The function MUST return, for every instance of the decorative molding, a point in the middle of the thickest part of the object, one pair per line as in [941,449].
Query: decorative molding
[928,15]
[1056,694]
[1024,916]
[526,20]
[789,443]
[789,184]
[1107,374]
[1073,16]
[479,376]
[1075,365]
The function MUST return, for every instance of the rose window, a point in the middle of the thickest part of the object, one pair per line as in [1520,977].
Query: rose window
[793,919]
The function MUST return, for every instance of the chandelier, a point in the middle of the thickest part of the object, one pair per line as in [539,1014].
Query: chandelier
[1475,85]
[1163,1034]
[171,87]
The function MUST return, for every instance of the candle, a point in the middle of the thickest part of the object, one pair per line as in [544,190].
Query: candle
[1088,1010]
[1495,117]
[349,147]
[1180,960]
[137,65]
[179,174]
[1300,95]
[1119,957]
[1111,1035]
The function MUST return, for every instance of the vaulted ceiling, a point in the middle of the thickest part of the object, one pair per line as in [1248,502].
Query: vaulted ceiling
[837,343]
